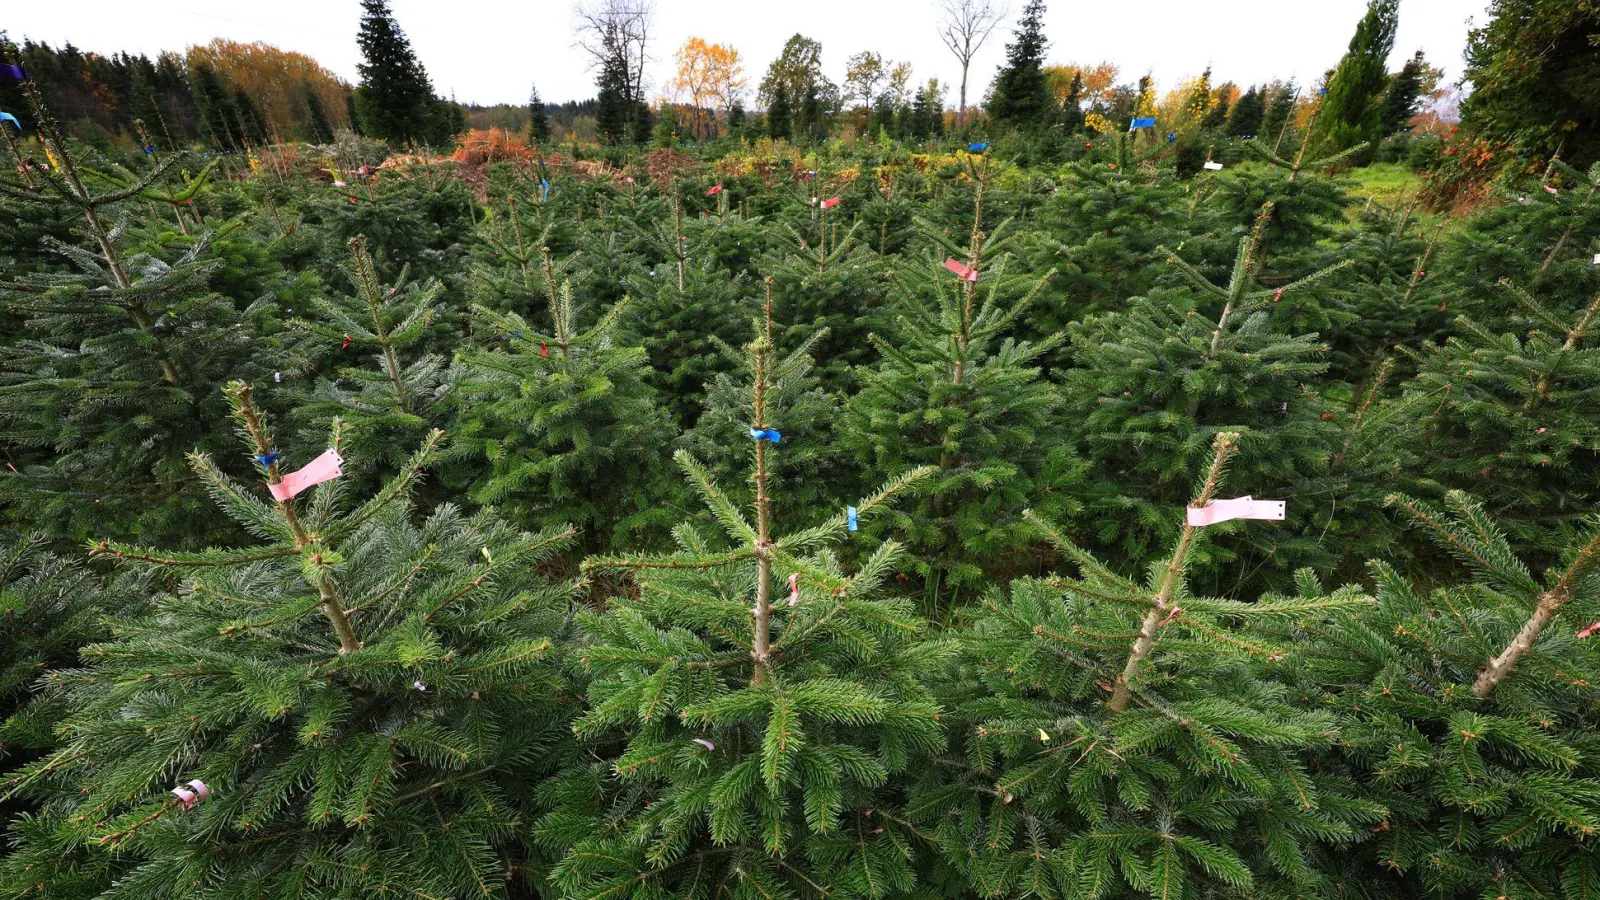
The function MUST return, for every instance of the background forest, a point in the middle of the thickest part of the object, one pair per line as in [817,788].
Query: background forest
[1073,492]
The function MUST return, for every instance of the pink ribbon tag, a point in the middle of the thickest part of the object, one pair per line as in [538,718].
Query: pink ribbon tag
[1237,508]
[321,469]
[704,743]
[1550,190]
[794,588]
[714,190]
[959,268]
[188,798]
[830,203]
[1588,632]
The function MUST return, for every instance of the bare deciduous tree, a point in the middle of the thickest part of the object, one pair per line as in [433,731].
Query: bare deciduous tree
[617,32]
[965,25]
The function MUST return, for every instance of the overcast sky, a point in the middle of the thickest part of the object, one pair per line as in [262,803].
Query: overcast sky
[490,52]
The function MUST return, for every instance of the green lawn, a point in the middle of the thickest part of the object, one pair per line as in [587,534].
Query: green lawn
[1385,183]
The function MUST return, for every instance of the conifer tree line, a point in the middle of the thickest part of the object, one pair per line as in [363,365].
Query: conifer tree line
[806,518]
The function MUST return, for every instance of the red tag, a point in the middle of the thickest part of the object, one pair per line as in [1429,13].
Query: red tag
[1277,296]
[544,349]
[715,190]
[346,344]
[960,269]
[830,203]
[352,198]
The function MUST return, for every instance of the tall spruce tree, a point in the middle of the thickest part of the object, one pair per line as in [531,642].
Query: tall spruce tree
[1245,119]
[1072,105]
[395,94]
[538,119]
[1352,111]
[1021,95]
[746,745]
[1400,99]
[321,131]
[612,115]
[368,697]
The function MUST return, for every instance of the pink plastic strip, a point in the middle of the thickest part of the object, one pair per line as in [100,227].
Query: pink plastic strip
[830,203]
[321,469]
[1237,508]
[961,269]
[794,588]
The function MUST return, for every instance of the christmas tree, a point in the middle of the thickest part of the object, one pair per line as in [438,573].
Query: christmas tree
[754,741]
[122,353]
[955,389]
[1463,708]
[358,703]
[1170,767]
[565,421]
[394,402]
[1153,384]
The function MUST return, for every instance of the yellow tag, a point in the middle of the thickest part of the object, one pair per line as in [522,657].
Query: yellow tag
[487,556]
[1043,736]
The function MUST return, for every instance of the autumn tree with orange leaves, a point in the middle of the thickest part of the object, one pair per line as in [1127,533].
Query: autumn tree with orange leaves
[710,77]
[281,81]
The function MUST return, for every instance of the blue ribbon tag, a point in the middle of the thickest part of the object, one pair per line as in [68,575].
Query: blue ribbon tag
[149,148]
[1143,122]
[766,434]
[977,148]
[8,117]
[268,458]
[850,518]
[544,190]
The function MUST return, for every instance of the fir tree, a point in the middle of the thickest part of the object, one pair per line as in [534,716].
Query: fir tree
[1464,686]
[1511,414]
[754,742]
[121,353]
[1104,225]
[394,402]
[565,420]
[1279,103]
[643,126]
[1187,780]
[1021,95]
[368,701]
[1402,96]
[736,120]
[1246,117]
[538,120]
[1217,117]
[216,108]
[321,130]
[956,390]
[393,99]
[1352,111]
[252,123]
[778,118]
[686,303]
[1072,105]
[812,462]
[612,114]
[1154,383]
